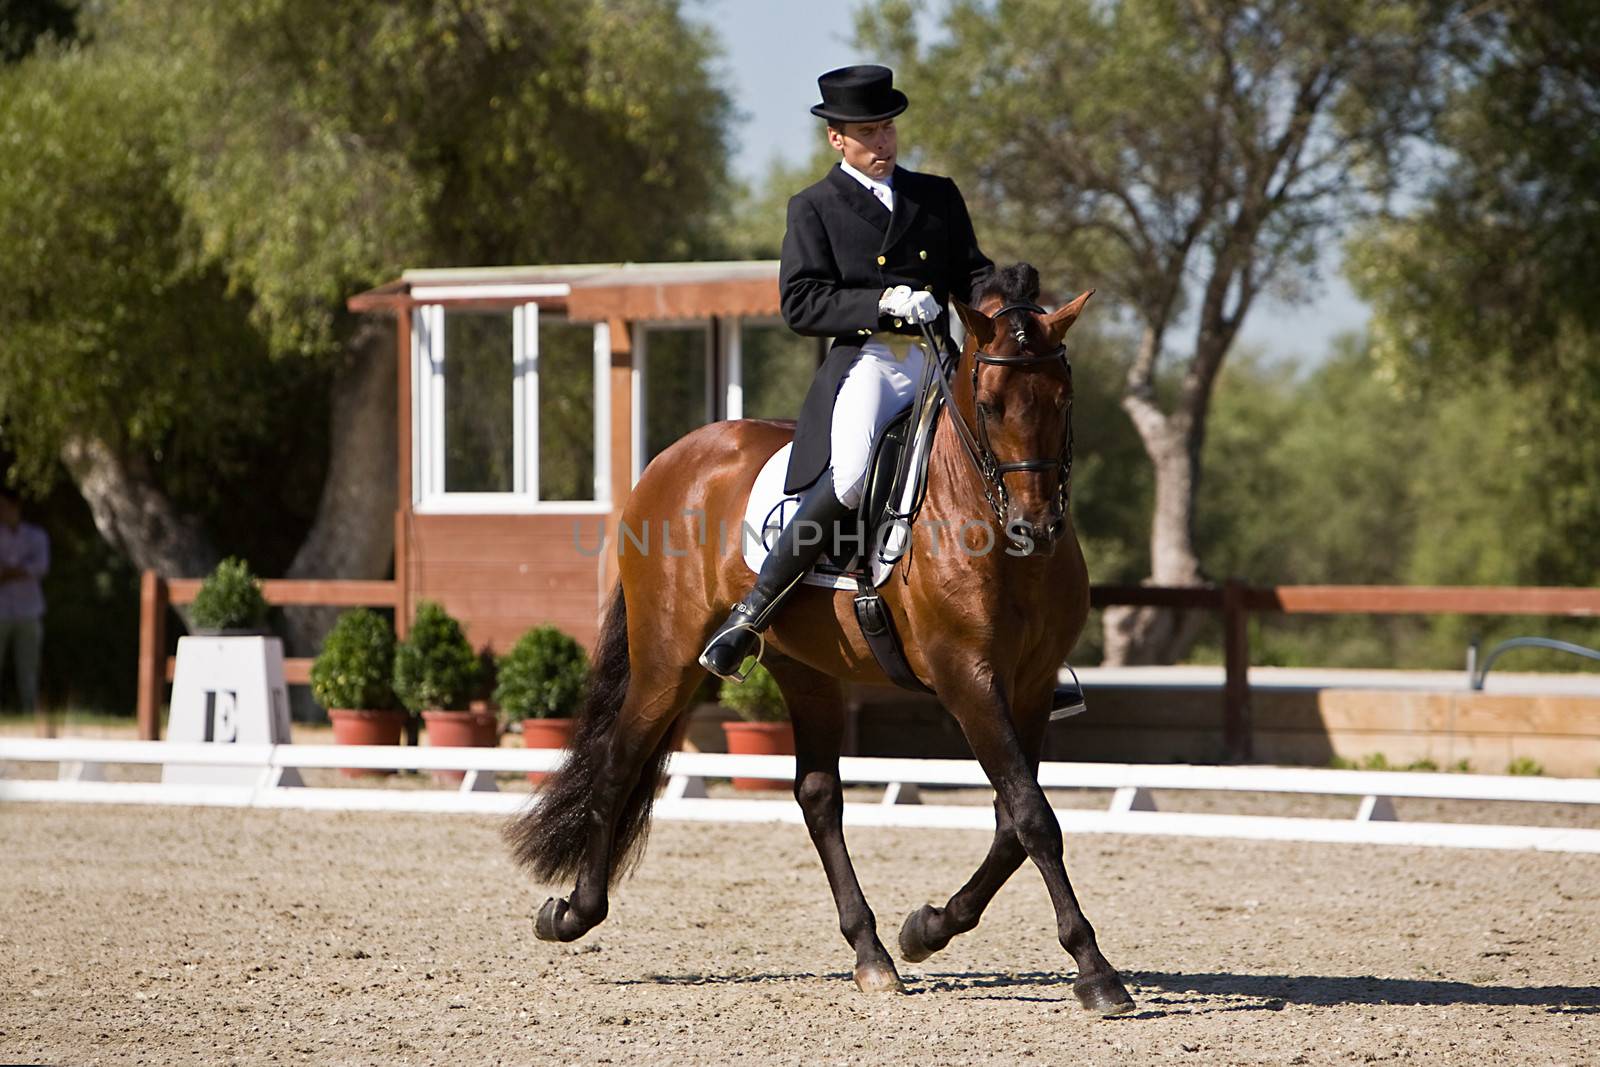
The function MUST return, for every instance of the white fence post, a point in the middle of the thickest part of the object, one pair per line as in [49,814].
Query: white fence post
[1376,809]
[81,771]
[685,787]
[902,793]
[1132,798]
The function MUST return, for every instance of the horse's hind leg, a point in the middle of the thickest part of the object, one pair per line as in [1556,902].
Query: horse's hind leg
[929,929]
[619,795]
[816,707]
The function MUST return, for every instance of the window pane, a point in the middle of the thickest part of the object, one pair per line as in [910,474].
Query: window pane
[675,386]
[479,424]
[777,367]
[566,410]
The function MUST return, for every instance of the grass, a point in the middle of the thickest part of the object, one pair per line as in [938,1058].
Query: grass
[14,723]
[1377,761]
[97,724]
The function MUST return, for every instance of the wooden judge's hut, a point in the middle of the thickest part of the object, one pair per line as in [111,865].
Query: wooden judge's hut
[531,398]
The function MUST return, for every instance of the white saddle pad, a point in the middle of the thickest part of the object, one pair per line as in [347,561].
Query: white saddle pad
[770,508]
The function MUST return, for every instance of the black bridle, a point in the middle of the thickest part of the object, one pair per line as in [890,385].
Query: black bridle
[988,465]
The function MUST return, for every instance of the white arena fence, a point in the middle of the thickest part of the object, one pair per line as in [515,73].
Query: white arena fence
[265,771]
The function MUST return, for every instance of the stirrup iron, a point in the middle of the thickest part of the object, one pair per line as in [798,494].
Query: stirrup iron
[738,674]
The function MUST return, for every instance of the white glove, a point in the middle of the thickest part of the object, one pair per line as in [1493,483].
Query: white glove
[903,302]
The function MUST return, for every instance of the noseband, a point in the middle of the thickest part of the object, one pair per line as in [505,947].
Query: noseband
[990,469]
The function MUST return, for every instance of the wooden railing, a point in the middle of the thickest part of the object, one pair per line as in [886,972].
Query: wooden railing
[1234,600]
[1237,601]
[156,594]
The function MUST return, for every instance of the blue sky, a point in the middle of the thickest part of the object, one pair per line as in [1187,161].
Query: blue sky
[773,52]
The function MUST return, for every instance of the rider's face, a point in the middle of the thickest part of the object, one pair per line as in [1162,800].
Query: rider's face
[869,147]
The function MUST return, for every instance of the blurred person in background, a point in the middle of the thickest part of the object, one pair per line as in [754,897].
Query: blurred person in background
[24,561]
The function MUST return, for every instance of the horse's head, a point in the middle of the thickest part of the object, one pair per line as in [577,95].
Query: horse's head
[1020,384]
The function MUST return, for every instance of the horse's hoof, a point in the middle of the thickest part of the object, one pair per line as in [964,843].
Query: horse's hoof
[544,927]
[878,978]
[1103,994]
[912,948]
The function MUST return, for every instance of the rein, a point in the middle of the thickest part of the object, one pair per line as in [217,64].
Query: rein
[992,472]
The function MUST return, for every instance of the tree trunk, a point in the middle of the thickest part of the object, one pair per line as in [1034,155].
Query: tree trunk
[133,514]
[1140,636]
[353,533]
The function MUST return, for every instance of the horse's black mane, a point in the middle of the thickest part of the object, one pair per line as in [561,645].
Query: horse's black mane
[1016,284]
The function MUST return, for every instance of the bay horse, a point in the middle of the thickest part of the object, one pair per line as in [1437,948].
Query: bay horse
[986,630]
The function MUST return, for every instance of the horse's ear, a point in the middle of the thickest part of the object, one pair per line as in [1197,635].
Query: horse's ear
[977,323]
[1060,320]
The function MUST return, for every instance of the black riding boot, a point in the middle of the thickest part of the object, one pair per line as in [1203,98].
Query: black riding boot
[802,540]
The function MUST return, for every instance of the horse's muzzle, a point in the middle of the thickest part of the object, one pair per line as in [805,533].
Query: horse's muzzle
[1033,538]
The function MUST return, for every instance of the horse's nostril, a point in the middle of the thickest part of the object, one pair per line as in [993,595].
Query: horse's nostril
[1036,535]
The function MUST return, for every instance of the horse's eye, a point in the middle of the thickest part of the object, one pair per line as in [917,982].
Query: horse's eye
[992,409]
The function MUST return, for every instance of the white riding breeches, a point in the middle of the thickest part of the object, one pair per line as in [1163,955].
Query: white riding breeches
[881,381]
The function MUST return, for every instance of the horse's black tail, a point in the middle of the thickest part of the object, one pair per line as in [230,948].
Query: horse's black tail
[550,838]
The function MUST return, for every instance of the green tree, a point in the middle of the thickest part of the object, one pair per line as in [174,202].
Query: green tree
[216,180]
[115,329]
[24,22]
[1183,156]
[1327,503]
[1484,299]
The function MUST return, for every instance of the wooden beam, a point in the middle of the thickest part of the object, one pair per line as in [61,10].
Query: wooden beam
[1425,600]
[621,371]
[152,647]
[296,670]
[321,592]
[1156,596]
[403,475]
[1237,728]
[676,300]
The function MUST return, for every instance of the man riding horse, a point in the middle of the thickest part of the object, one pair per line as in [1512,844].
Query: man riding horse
[872,252]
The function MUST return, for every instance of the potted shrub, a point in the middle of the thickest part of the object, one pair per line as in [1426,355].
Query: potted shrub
[435,671]
[540,681]
[229,603]
[353,678]
[764,729]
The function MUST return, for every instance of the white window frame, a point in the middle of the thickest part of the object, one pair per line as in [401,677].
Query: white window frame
[641,359]
[428,355]
[732,356]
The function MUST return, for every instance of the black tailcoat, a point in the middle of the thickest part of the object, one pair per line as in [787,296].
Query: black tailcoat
[841,251]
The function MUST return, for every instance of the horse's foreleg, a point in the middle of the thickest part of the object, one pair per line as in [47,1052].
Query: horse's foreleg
[929,929]
[816,707]
[986,721]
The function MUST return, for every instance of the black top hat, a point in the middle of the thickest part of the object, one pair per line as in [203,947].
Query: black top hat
[859,94]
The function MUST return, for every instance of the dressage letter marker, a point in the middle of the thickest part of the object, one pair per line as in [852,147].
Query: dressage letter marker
[228,691]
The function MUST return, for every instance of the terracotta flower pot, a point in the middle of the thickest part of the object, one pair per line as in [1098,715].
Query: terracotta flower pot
[355,726]
[460,729]
[545,733]
[760,739]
